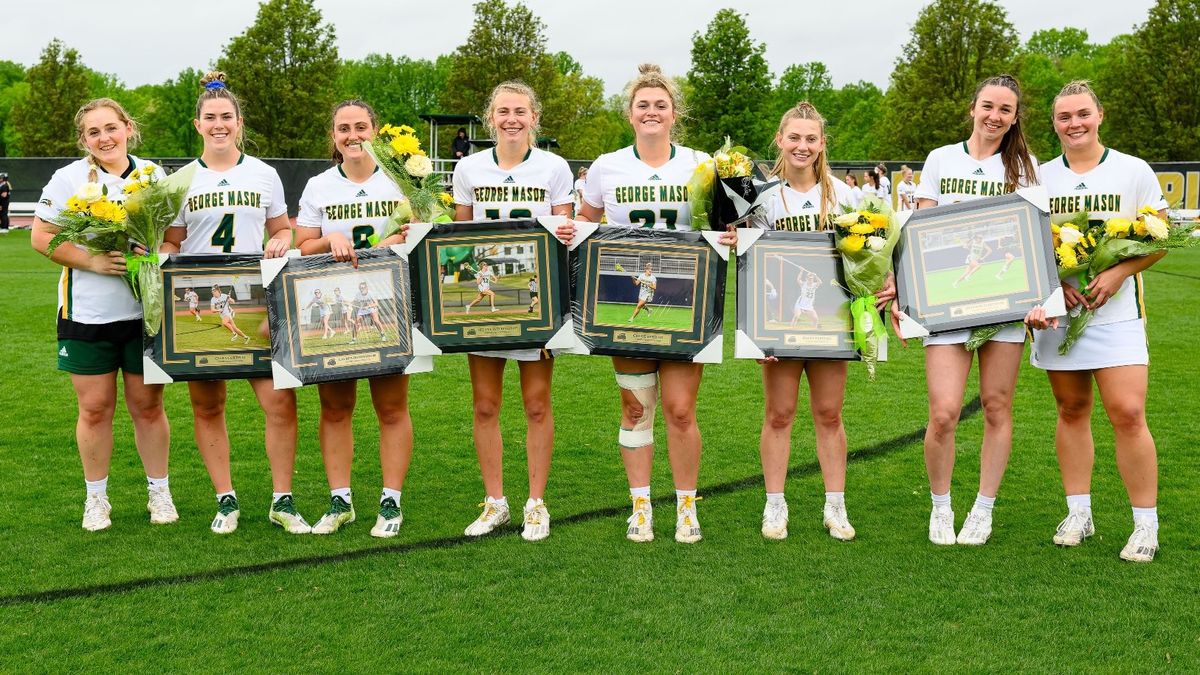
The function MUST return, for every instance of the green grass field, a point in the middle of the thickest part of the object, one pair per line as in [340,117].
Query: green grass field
[940,289]
[208,333]
[456,296]
[313,343]
[177,598]
[660,316]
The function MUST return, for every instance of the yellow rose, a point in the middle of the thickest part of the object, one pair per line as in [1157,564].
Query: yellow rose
[405,145]
[862,228]
[879,221]
[1139,227]
[853,243]
[1117,227]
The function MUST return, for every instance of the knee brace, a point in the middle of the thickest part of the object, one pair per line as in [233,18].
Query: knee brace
[644,387]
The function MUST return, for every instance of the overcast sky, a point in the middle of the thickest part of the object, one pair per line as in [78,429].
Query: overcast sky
[149,41]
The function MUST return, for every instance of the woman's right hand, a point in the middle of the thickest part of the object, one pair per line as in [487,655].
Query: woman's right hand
[1036,319]
[341,248]
[1073,297]
[112,263]
[565,232]
[894,310]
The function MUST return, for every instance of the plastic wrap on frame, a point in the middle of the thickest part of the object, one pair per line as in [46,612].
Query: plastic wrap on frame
[332,321]
[684,290]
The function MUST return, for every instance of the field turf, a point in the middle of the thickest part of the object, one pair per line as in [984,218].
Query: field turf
[660,316]
[208,333]
[982,284]
[177,598]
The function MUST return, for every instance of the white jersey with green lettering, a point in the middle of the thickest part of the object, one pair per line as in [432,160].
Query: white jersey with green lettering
[227,211]
[334,203]
[795,211]
[1118,186]
[84,296]
[952,175]
[635,194]
[530,189]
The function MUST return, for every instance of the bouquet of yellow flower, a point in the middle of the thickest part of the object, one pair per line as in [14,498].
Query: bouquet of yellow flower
[1084,248]
[865,237]
[398,153]
[92,221]
[151,206]
[739,194]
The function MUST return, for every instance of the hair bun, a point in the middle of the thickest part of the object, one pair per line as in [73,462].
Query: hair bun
[647,68]
[212,76]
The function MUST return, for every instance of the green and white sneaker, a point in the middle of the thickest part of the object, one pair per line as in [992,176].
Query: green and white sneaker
[96,511]
[340,513]
[226,520]
[161,508]
[387,524]
[283,513]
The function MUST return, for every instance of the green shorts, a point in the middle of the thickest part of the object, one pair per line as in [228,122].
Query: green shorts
[85,357]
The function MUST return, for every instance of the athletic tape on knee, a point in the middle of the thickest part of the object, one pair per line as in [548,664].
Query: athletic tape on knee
[644,387]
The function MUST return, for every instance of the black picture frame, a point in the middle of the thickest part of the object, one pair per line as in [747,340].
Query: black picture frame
[189,349]
[784,312]
[454,312]
[977,263]
[312,342]
[690,294]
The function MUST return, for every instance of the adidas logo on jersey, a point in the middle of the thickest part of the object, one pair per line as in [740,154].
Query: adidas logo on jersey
[361,193]
[807,205]
[509,180]
[63,352]
[223,183]
[654,177]
[978,172]
[1081,186]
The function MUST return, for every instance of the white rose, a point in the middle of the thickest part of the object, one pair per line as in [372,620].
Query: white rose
[876,243]
[1156,227]
[1069,235]
[90,192]
[847,219]
[418,166]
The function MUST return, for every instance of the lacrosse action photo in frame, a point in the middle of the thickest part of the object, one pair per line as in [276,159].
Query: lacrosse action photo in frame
[214,321]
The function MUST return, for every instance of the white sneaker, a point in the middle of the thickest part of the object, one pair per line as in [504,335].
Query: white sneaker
[976,529]
[687,526]
[495,309]
[837,522]
[284,514]
[233,339]
[537,522]
[161,508]
[389,520]
[641,521]
[775,520]
[467,310]
[96,511]
[494,515]
[941,526]
[1142,544]
[1076,527]
[226,520]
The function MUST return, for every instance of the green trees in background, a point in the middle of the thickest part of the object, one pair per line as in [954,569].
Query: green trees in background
[44,118]
[730,87]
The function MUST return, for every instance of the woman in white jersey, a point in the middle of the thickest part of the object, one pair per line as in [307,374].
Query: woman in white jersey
[653,103]
[806,302]
[646,284]
[514,180]
[340,211]
[222,305]
[809,198]
[1112,351]
[232,201]
[905,190]
[192,298]
[995,160]
[99,322]
[323,311]
[484,279]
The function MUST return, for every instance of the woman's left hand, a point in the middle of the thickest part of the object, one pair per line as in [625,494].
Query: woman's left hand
[1103,287]
[729,237]
[565,232]
[276,248]
[886,294]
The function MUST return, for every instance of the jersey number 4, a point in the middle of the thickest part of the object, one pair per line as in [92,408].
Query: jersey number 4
[647,217]
[223,238]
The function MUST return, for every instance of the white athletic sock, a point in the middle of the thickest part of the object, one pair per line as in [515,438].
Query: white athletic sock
[389,492]
[501,502]
[984,503]
[1146,517]
[1079,502]
[941,500]
[344,493]
[161,483]
[100,487]
[775,498]
[640,492]
[231,493]
[835,498]
[276,495]
[531,502]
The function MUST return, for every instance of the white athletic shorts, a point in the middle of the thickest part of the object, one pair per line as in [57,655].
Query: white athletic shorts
[1105,346]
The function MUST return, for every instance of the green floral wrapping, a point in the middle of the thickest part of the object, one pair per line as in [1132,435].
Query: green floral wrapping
[865,272]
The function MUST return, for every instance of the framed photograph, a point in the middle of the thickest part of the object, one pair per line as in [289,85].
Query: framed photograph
[647,293]
[977,263]
[494,284]
[332,321]
[791,302]
[214,321]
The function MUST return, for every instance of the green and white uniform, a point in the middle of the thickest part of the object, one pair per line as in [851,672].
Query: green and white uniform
[951,175]
[795,211]
[530,189]
[221,305]
[1117,187]
[975,252]
[192,299]
[227,211]
[93,308]
[635,194]
[646,283]
[334,203]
